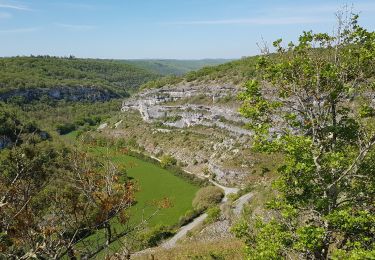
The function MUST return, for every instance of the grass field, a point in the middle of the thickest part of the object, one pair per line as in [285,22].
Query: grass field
[154,184]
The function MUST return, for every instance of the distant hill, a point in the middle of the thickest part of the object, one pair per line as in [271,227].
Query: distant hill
[71,78]
[236,71]
[174,67]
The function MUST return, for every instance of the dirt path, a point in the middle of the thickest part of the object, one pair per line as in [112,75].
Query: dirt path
[183,231]
[240,203]
[238,206]
[227,190]
[171,243]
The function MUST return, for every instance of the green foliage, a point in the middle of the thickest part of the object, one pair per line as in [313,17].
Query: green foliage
[63,116]
[13,129]
[354,254]
[167,161]
[366,111]
[164,81]
[174,67]
[213,214]
[158,233]
[47,72]
[66,128]
[52,195]
[359,226]
[189,216]
[307,112]
[153,191]
[309,238]
[172,118]
[269,240]
[237,71]
[207,197]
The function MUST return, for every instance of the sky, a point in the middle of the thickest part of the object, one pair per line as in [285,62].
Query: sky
[162,29]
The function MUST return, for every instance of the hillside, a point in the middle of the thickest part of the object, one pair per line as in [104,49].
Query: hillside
[266,157]
[174,67]
[71,78]
[195,120]
[235,72]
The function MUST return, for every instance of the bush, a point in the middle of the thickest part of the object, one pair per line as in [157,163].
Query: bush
[189,216]
[213,214]
[66,128]
[207,197]
[167,161]
[155,235]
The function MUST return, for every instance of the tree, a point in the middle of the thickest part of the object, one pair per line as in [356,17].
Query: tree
[53,198]
[167,161]
[311,103]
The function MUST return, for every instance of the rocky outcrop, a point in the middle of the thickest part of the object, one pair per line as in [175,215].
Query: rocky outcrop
[76,93]
[207,110]
[224,175]
[152,106]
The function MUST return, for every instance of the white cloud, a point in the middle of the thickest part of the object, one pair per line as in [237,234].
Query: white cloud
[14,6]
[256,21]
[75,27]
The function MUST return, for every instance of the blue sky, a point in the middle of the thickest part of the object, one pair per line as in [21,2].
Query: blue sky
[182,29]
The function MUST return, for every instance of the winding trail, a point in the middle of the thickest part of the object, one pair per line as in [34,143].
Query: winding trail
[171,243]
[183,231]
[226,190]
[238,206]
[240,203]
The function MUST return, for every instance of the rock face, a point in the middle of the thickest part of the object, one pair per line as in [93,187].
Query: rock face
[152,107]
[77,93]
[210,113]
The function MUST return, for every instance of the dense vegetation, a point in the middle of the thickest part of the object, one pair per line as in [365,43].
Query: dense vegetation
[312,105]
[174,67]
[160,196]
[320,117]
[37,165]
[52,195]
[237,72]
[49,72]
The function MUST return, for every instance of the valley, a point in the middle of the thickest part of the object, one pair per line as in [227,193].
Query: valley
[263,157]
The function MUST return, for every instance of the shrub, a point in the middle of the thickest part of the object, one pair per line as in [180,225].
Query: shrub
[207,197]
[189,216]
[213,214]
[66,128]
[167,161]
[155,235]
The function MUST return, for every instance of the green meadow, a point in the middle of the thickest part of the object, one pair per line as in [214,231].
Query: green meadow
[153,184]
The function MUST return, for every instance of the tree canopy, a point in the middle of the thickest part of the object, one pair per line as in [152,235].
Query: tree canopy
[52,197]
[47,72]
[313,103]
